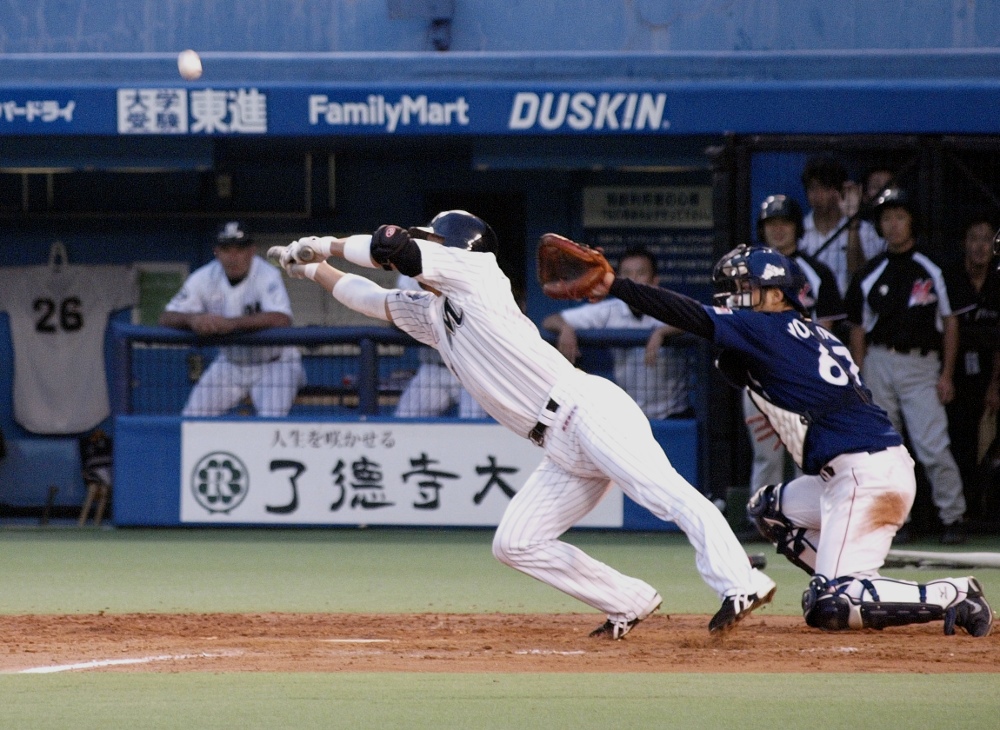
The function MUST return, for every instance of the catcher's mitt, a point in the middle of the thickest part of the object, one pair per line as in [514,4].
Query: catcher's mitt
[567,269]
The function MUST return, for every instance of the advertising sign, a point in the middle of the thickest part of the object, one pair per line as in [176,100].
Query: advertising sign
[358,473]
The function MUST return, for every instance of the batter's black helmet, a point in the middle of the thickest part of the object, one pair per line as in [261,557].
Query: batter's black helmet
[231,233]
[748,267]
[780,206]
[460,229]
[996,244]
[893,197]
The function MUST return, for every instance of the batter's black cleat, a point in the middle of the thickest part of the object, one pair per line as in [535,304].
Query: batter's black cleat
[616,629]
[973,615]
[736,608]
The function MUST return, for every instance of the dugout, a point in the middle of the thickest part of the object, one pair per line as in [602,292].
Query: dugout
[123,162]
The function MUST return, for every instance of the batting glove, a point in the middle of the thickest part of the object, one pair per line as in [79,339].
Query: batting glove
[309,249]
[301,271]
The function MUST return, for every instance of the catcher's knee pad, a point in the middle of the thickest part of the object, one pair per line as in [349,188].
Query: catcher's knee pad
[764,510]
[824,607]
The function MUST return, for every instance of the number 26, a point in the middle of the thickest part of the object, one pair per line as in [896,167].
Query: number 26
[70,318]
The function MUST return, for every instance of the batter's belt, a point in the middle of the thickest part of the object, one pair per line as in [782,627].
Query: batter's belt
[537,434]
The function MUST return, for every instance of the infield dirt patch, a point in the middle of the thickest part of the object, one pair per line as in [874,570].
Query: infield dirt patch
[285,642]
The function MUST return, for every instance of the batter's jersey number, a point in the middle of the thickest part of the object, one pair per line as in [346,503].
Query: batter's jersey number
[64,315]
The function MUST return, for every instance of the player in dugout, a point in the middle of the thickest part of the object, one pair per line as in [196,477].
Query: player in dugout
[837,520]
[592,433]
[238,292]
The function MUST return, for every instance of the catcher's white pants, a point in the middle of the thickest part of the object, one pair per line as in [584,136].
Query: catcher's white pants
[600,436]
[272,386]
[851,512]
[853,509]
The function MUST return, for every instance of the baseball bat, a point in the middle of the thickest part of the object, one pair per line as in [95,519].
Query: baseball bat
[306,255]
[922,558]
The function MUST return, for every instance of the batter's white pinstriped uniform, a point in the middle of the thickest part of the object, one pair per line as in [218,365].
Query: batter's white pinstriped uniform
[596,435]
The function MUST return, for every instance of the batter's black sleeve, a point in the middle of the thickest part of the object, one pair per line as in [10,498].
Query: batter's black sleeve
[667,306]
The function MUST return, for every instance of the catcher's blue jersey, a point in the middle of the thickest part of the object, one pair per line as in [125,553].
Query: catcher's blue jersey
[803,368]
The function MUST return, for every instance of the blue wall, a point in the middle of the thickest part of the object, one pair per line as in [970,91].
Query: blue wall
[149,26]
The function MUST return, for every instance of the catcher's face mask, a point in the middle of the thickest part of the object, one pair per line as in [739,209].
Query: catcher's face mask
[747,269]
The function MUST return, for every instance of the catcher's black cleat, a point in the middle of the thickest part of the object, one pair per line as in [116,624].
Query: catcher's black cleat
[973,614]
[736,608]
[616,629]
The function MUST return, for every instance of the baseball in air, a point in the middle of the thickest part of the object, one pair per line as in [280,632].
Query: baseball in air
[189,64]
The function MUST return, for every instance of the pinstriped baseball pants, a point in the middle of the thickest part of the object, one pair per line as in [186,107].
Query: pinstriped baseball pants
[600,436]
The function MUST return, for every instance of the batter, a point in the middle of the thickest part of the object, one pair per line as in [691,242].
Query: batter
[592,433]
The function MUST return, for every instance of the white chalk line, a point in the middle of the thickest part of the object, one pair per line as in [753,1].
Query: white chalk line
[100,663]
[549,652]
[357,641]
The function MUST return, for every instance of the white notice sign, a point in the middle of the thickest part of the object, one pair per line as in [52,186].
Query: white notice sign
[349,473]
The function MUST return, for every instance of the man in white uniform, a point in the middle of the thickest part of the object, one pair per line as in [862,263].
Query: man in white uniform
[656,379]
[238,292]
[593,434]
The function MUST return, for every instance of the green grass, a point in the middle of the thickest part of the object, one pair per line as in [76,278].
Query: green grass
[550,701]
[374,570]
[383,570]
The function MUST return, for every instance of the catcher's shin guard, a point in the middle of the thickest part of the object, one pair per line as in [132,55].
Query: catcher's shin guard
[764,510]
[826,605]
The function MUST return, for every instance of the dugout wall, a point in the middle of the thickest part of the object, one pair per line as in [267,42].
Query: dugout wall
[123,163]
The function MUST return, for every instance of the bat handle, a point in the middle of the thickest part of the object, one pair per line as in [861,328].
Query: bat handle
[306,255]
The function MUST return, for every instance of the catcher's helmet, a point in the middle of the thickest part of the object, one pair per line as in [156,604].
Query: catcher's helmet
[232,234]
[460,229]
[756,267]
[892,197]
[780,206]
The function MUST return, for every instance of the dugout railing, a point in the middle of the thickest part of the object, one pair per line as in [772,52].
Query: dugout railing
[351,372]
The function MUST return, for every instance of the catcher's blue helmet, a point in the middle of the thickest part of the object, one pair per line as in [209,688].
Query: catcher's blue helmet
[461,229]
[756,267]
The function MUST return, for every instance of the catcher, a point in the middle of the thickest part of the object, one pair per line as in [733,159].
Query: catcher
[837,521]
[592,433]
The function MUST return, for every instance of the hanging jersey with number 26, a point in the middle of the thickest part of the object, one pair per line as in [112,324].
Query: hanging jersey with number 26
[58,317]
[804,369]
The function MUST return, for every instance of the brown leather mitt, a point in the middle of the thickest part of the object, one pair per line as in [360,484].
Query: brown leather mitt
[567,269]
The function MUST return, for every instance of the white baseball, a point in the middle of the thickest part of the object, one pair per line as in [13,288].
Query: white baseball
[189,64]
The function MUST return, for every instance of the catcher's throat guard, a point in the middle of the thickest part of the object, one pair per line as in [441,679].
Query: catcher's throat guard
[567,269]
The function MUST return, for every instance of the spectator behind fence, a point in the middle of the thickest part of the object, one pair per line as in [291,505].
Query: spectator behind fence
[656,378]
[833,232]
[433,390]
[905,341]
[779,226]
[238,292]
[977,367]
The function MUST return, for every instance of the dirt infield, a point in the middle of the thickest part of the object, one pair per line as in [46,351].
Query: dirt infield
[470,643]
